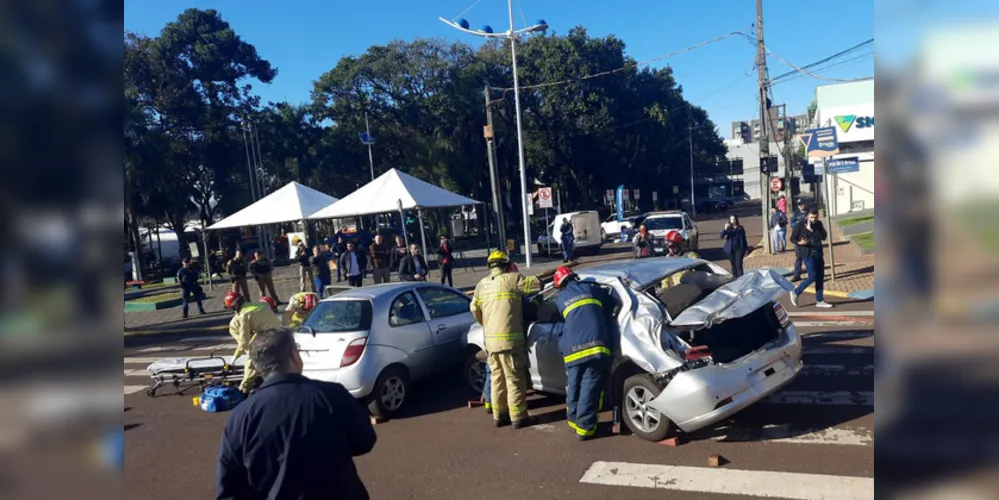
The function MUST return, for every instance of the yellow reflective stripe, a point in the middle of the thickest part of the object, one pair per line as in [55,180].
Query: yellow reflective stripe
[498,296]
[528,283]
[574,426]
[586,433]
[581,303]
[504,335]
[587,352]
[488,405]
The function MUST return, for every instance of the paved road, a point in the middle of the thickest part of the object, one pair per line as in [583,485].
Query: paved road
[815,438]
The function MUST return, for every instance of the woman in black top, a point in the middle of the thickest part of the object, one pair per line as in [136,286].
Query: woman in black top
[736,245]
[447,261]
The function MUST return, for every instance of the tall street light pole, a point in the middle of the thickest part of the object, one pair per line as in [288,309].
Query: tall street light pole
[512,35]
[370,141]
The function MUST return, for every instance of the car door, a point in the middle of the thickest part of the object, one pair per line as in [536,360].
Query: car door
[688,224]
[409,331]
[449,318]
[547,368]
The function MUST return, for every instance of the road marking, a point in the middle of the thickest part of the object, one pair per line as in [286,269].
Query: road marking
[785,434]
[838,350]
[141,361]
[130,389]
[138,372]
[838,370]
[200,340]
[840,398]
[730,481]
[820,324]
[819,314]
[848,335]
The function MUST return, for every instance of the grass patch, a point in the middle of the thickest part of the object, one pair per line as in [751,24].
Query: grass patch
[855,220]
[159,297]
[865,240]
[148,286]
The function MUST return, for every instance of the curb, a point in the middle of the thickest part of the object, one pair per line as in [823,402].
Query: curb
[178,331]
[820,317]
[860,295]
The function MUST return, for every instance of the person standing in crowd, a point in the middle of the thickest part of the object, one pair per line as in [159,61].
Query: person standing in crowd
[498,306]
[188,279]
[296,437]
[353,262]
[736,244]
[320,264]
[338,249]
[797,219]
[567,238]
[248,319]
[262,272]
[585,347]
[306,278]
[446,257]
[236,269]
[810,237]
[782,205]
[778,226]
[381,255]
[399,252]
[642,243]
[413,267]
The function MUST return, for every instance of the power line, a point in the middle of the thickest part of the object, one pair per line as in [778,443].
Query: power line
[809,73]
[470,7]
[827,59]
[842,63]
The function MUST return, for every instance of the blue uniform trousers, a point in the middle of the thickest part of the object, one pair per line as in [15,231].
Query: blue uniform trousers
[585,394]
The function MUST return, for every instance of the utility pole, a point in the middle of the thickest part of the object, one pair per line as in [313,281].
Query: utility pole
[690,140]
[761,64]
[493,177]
[371,157]
[524,203]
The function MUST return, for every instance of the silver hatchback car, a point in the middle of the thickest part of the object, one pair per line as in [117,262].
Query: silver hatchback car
[693,345]
[378,339]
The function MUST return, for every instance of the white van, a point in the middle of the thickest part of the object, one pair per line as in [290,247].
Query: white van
[585,227]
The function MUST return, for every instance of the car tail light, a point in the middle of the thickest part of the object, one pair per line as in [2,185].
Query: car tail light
[353,352]
[695,353]
[723,402]
[782,316]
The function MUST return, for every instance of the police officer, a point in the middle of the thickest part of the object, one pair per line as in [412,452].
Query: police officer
[299,307]
[497,306]
[585,347]
[248,320]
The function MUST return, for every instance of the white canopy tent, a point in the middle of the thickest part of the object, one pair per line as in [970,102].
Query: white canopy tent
[390,192]
[293,202]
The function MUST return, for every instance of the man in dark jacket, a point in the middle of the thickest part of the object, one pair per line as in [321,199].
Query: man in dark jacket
[381,256]
[810,237]
[413,267]
[237,273]
[188,279]
[585,348]
[338,248]
[296,437]
[399,252]
[320,265]
[354,263]
[567,239]
[797,219]
[306,278]
[262,270]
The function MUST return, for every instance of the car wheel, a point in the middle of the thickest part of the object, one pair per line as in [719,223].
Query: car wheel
[603,235]
[643,420]
[474,372]
[389,394]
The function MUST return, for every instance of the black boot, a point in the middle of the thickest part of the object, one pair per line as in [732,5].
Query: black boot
[501,422]
[524,422]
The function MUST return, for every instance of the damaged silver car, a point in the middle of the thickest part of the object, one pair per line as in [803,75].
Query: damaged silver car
[693,346]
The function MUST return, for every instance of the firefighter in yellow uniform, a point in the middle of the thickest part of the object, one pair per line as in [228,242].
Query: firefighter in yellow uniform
[249,318]
[299,307]
[498,307]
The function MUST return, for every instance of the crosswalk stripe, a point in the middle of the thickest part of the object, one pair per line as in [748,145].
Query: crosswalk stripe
[819,314]
[818,324]
[785,434]
[840,398]
[130,389]
[839,335]
[730,481]
[838,370]
[140,360]
[138,372]
[838,350]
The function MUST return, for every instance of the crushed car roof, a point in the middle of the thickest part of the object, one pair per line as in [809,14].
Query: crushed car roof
[640,272]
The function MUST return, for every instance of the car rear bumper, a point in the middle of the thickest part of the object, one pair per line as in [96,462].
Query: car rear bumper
[350,378]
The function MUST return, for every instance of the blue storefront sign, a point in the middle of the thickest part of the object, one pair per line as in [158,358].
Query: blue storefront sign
[842,166]
[620,203]
[820,142]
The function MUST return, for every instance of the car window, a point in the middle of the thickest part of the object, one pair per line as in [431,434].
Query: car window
[659,223]
[334,316]
[405,310]
[442,302]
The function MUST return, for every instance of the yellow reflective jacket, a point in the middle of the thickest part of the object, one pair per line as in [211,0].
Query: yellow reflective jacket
[293,316]
[253,317]
[497,305]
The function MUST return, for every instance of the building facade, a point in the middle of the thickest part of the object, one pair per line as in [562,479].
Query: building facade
[849,108]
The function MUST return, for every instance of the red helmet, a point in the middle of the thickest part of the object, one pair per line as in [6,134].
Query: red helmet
[232,299]
[561,274]
[675,238]
[269,301]
[308,302]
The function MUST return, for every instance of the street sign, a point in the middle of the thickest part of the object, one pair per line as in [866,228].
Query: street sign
[820,142]
[842,166]
[530,203]
[367,138]
[636,193]
[676,189]
[776,184]
[487,132]
[610,196]
[545,197]
[627,194]
[819,169]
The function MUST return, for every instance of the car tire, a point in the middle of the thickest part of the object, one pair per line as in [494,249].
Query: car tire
[642,420]
[603,235]
[389,394]
[473,372]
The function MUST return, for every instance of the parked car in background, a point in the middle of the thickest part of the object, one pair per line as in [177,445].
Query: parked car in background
[611,228]
[711,206]
[378,339]
[660,223]
[692,345]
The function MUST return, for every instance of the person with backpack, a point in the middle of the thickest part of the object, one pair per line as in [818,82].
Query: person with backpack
[778,224]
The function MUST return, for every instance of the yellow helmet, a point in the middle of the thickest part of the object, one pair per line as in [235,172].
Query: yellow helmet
[498,257]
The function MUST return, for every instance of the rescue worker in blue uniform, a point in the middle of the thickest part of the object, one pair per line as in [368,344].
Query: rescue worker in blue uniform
[585,347]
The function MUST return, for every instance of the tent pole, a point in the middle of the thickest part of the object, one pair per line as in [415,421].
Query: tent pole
[423,235]
[208,264]
[402,221]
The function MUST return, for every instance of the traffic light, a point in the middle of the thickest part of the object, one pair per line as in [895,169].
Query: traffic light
[768,164]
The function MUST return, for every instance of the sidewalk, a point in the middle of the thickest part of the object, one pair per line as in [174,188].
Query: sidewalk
[854,271]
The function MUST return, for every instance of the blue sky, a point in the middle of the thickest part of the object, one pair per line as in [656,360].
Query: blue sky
[305,38]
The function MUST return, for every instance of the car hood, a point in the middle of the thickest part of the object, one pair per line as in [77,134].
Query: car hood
[735,299]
